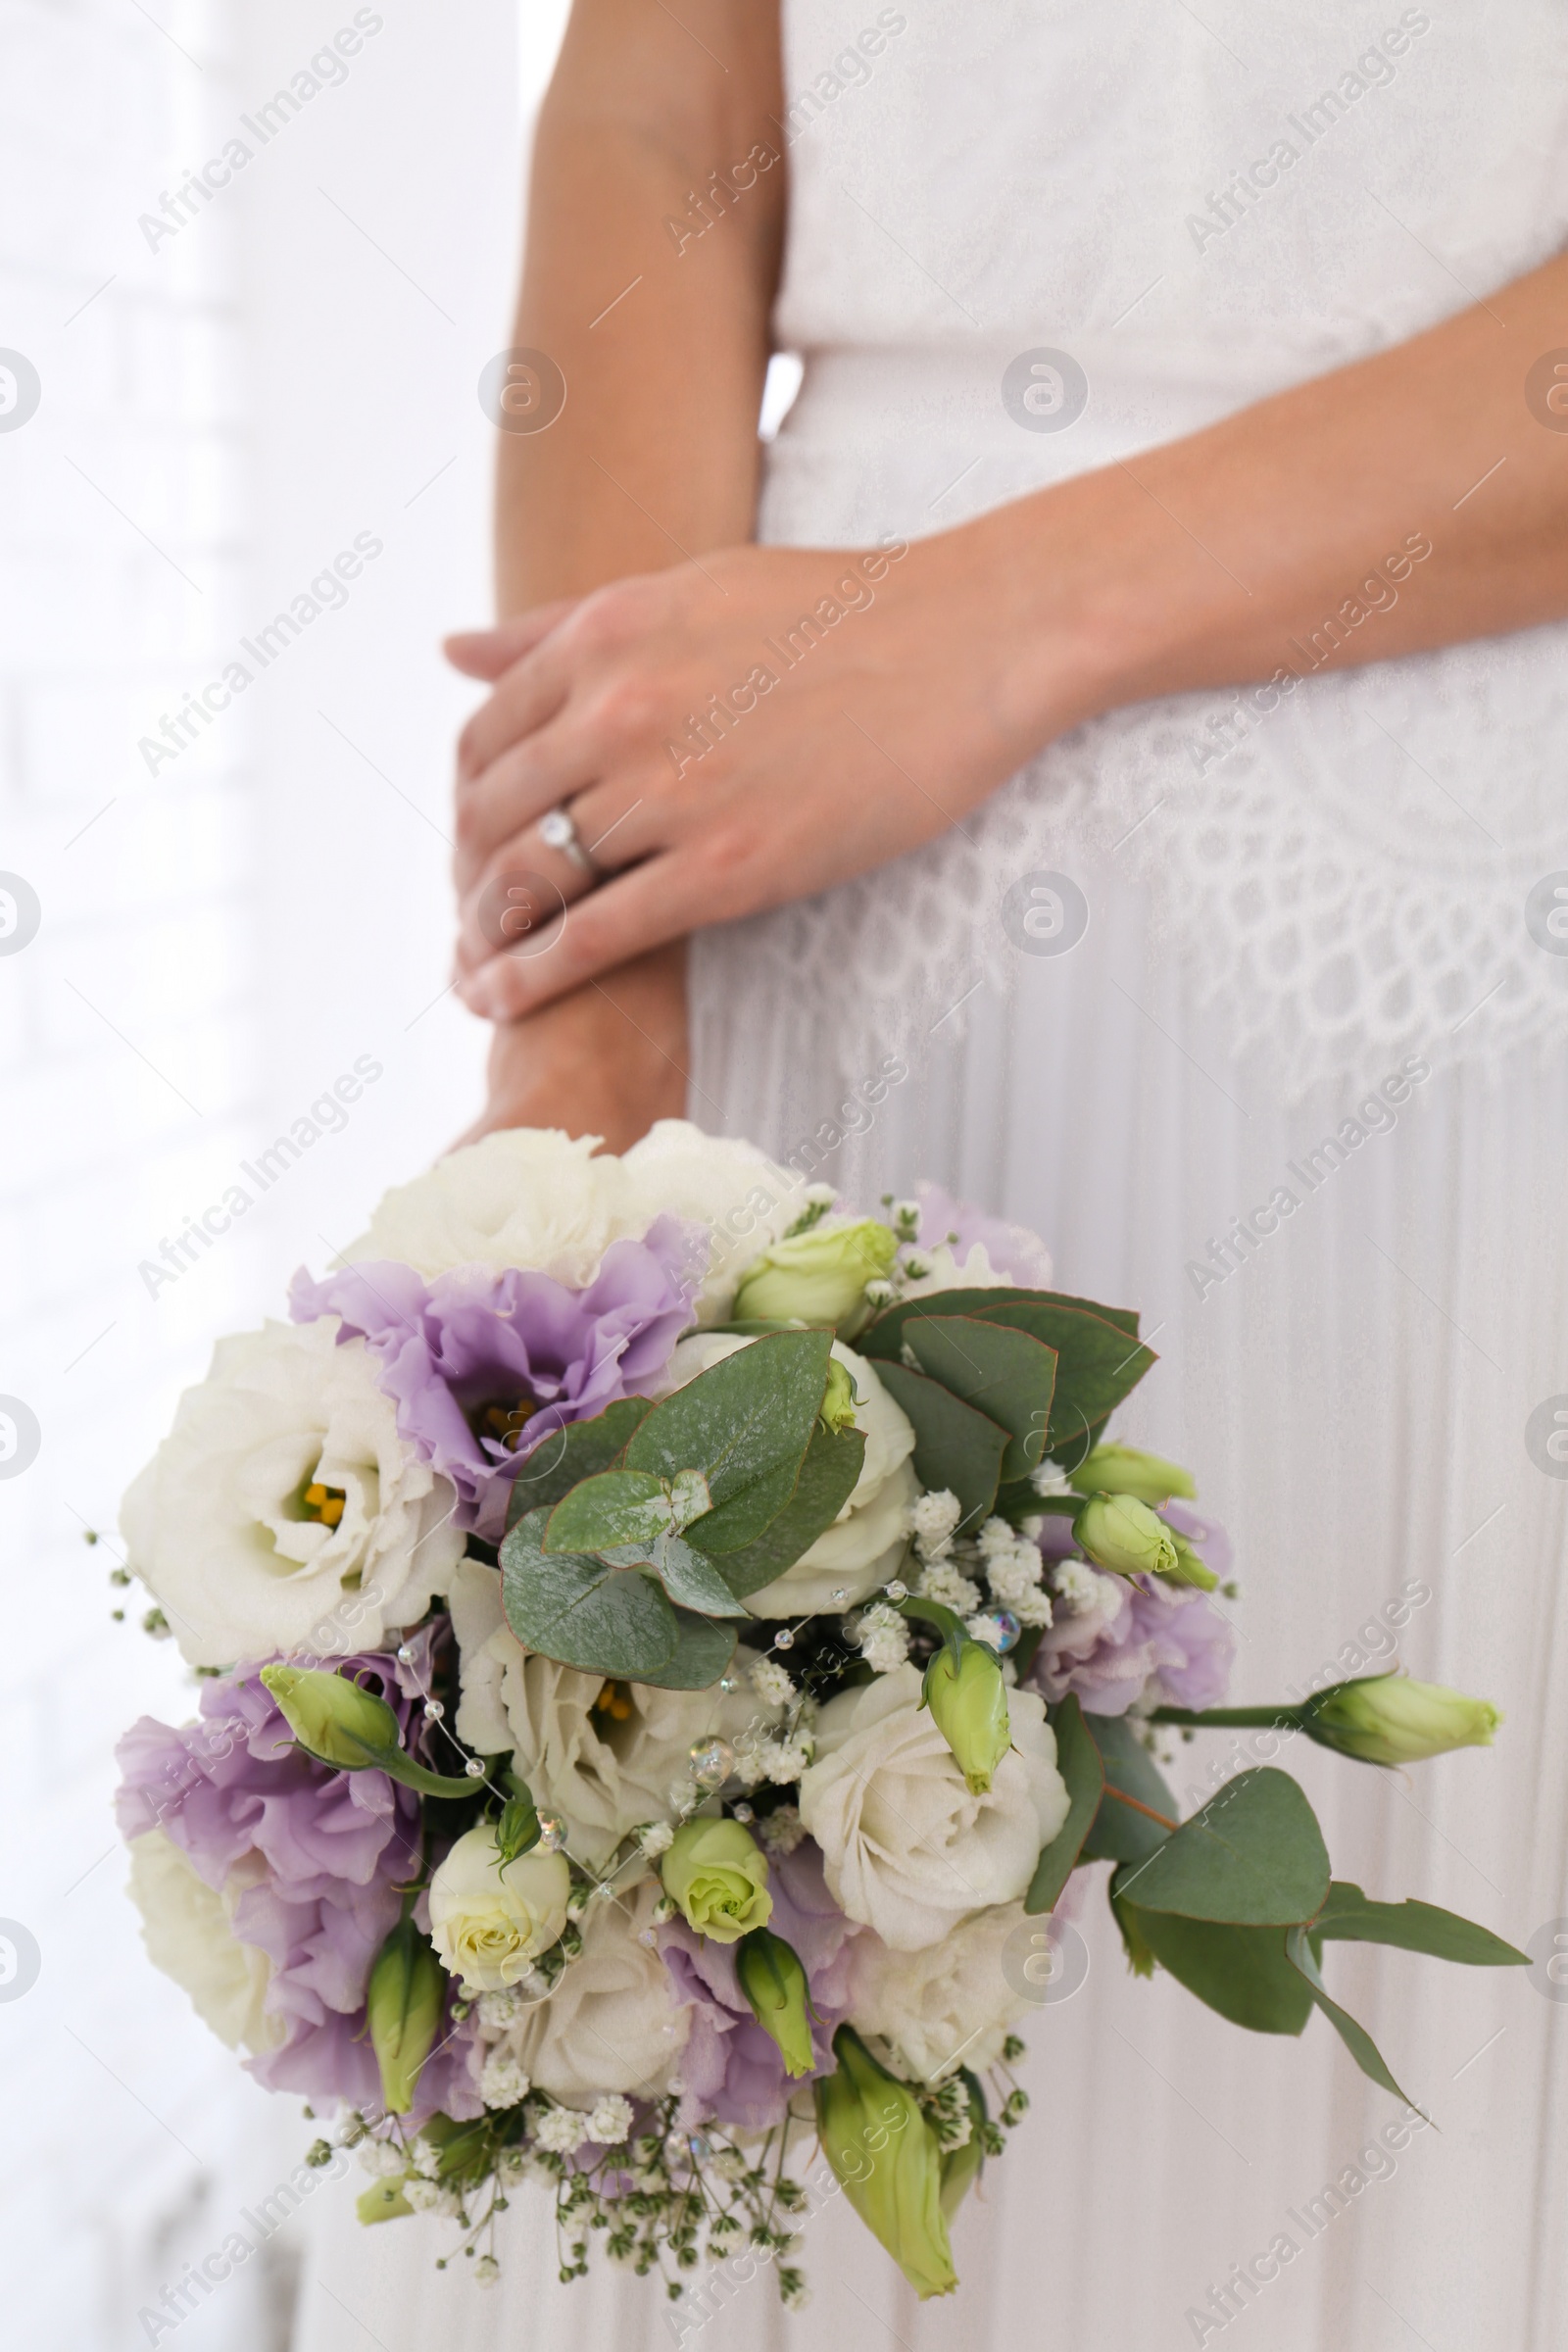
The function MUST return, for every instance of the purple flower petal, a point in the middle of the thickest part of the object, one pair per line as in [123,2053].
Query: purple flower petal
[449,1349]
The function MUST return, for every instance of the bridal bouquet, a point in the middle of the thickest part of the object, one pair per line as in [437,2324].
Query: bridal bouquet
[666,1643]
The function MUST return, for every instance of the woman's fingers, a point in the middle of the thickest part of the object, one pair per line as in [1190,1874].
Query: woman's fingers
[654,903]
[613,832]
[489,652]
[528,777]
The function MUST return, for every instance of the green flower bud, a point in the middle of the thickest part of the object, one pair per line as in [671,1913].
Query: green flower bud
[818,1277]
[402,2011]
[1190,1567]
[1127,1470]
[1119,1533]
[332,1717]
[1387,1719]
[968,1703]
[774,1981]
[885,2155]
[717,1874]
[838,1400]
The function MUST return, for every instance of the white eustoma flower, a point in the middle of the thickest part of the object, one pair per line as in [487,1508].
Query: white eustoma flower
[538,1199]
[866,1541]
[907,1847]
[220,1528]
[488,1920]
[611,2022]
[602,1755]
[943,2006]
[187,1929]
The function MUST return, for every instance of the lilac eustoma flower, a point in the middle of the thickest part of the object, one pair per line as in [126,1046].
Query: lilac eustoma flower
[327,1850]
[1013,1250]
[484,1336]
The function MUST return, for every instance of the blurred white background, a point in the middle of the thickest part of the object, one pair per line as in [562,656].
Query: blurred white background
[224,405]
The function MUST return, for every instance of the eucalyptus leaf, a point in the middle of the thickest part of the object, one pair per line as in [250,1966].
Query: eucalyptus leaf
[955,1445]
[1006,1374]
[1253,1857]
[702,1650]
[613,1507]
[692,1580]
[1347,1917]
[1079,1762]
[1356,2037]
[1119,1832]
[581,1611]
[1099,1362]
[826,1480]
[1243,1973]
[562,1460]
[741,1418]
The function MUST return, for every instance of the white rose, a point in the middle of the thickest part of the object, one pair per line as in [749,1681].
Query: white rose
[218,1529]
[865,1545]
[611,2022]
[909,1849]
[489,1921]
[942,2007]
[602,1755]
[742,1198]
[187,1929]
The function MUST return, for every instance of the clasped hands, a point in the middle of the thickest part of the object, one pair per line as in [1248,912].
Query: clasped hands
[726,736]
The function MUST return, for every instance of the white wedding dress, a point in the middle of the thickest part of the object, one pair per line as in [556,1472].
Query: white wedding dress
[1284,909]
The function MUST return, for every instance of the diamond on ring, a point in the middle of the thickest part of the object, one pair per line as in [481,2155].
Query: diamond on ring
[557,832]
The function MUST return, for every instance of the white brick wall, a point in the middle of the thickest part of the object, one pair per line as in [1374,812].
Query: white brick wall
[218,417]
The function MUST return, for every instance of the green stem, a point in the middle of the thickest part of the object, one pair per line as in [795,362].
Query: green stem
[1279,1719]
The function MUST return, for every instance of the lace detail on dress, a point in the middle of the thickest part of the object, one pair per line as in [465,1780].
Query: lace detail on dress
[1346,873]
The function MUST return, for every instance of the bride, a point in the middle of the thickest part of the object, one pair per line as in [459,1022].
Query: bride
[1105,755]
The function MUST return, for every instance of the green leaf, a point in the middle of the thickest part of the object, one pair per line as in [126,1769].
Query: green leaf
[1253,1857]
[1099,1362]
[955,1445]
[1356,2037]
[1347,1917]
[614,1508]
[569,1455]
[689,1577]
[1240,1972]
[885,1336]
[745,1516]
[742,1420]
[1079,1762]
[584,1612]
[1119,1832]
[1008,1375]
[826,1480]
[702,1650]
[1139,1958]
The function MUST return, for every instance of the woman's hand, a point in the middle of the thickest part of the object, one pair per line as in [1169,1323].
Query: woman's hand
[607,1060]
[727,736]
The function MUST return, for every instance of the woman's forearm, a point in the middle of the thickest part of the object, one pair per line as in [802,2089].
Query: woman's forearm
[661,332]
[1411,500]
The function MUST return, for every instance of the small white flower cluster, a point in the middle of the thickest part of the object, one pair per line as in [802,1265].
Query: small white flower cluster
[502,2080]
[1081,1587]
[771,1684]
[656,1838]
[1006,1560]
[883,1636]
[384,2157]
[778,1757]
[1014,1568]
[563,2131]
[428,2196]
[1049,1480]
[780,1832]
